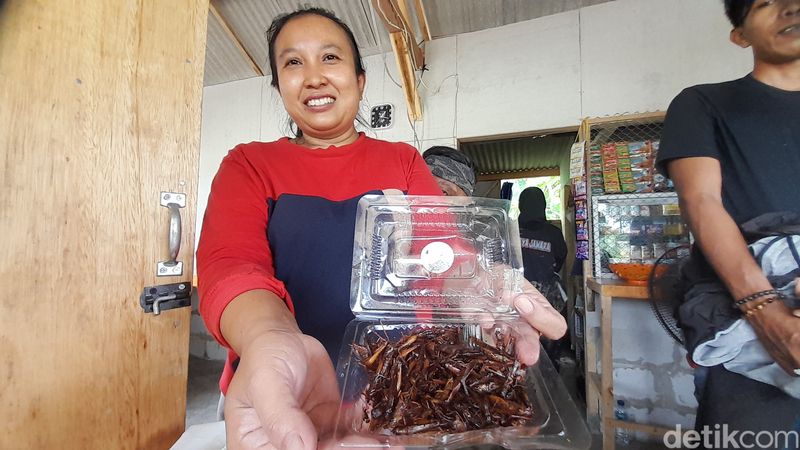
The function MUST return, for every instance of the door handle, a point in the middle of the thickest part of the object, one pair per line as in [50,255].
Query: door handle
[174,232]
[174,202]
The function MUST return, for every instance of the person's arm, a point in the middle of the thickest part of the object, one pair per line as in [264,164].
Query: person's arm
[284,391]
[253,314]
[233,255]
[698,182]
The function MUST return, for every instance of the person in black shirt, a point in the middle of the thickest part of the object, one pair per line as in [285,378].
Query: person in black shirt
[543,246]
[543,255]
[733,152]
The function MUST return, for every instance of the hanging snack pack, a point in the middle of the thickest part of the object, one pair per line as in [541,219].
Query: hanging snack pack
[430,359]
[624,168]
[642,165]
[596,170]
[611,181]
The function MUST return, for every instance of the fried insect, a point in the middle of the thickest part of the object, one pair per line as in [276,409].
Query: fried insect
[430,380]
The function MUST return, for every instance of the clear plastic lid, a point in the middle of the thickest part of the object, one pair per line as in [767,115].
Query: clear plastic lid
[451,256]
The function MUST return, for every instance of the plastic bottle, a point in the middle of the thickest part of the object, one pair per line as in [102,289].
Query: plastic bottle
[621,413]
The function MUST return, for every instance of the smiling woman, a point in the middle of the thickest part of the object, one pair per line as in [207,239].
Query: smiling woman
[317,69]
[275,253]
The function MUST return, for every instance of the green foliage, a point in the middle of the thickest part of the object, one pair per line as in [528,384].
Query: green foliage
[551,186]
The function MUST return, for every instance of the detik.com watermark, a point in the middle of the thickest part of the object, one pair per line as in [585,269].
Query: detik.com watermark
[721,437]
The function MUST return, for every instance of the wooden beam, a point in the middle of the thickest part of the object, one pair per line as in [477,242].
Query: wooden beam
[516,135]
[403,59]
[411,39]
[551,172]
[402,6]
[396,20]
[224,24]
[388,12]
[655,116]
[422,18]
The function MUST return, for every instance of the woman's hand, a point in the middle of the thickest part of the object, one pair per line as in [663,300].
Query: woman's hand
[539,318]
[779,333]
[284,394]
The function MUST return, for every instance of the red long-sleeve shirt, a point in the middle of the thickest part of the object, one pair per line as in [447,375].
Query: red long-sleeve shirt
[281,217]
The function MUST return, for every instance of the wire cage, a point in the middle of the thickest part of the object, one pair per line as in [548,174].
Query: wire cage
[621,154]
[631,231]
[633,211]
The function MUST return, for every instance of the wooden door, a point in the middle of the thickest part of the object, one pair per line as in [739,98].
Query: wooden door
[99,112]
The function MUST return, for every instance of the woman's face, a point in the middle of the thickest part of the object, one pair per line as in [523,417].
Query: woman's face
[316,76]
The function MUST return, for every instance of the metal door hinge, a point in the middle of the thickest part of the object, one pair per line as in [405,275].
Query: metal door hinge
[155,299]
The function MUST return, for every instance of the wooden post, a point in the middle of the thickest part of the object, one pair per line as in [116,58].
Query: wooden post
[407,75]
[100,114]
[408,54]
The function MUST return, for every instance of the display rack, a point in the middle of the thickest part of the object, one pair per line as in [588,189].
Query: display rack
[605,131]
[633,228]
[640,189]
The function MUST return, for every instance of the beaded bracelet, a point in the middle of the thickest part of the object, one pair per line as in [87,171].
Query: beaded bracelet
[759,307]
[757,295]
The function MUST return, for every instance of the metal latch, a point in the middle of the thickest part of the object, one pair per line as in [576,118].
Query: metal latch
[155,299]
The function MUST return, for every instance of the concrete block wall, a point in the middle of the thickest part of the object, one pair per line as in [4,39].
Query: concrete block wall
[651,373]
[650,369]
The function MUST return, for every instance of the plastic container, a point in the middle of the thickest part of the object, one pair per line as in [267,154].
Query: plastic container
[454,256]
[622,435]
[438,262]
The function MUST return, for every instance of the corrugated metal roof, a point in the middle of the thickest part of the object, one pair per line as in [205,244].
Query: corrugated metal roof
[224,61]
[520,154]
[249,20]
[449,17]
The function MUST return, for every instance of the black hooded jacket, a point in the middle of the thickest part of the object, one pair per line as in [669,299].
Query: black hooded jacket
[543,246]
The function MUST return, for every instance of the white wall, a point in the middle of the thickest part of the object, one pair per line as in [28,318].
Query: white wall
[617,57]
[636,55]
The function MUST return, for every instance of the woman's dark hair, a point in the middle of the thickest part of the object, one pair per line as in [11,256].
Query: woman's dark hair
[737,11]
[450,152]
[279,22]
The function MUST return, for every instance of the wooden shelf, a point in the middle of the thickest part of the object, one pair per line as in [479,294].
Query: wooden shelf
[602,391]
[644,428]
[594,379]
[610,287]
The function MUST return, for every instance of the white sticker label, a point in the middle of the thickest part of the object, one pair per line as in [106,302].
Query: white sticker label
[437,257]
